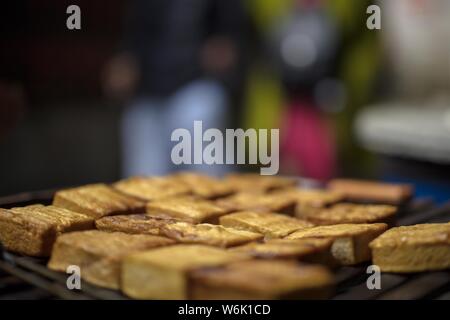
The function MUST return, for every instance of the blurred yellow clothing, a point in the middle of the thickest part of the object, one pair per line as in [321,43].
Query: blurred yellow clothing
[265,13]
[264,100]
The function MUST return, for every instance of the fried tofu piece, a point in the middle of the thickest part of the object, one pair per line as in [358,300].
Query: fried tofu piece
[64,219]
[352,213]
[32,230]
[316,198]
[271,225]
[421,247]
[350,241]
[187,209]
[209,234]
[203,186]
[164,273]
[255,183]
[99,254]
[133,224]
[362,190]
[147,189]
[314,250]
[259,279]
[310,200]
[258,202]
[97,200]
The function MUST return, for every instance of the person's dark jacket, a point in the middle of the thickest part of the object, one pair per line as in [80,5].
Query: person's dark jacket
[167,36]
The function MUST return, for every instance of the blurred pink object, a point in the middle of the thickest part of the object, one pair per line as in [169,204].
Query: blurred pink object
[307,145]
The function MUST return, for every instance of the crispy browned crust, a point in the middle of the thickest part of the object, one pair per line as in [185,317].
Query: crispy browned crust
[209,234]
[97,200]
[262,280]
[350,241]
[258,202]
[31,237]
[99,254]
[272,225]
[203,186]
[187,209]
[316,250]
[163,273]
[151,188]
[63,219]
[363,190]
[316,198]
[32,230]
[351,213]
[255,183]
[309,201]
[133,224]
[421,247]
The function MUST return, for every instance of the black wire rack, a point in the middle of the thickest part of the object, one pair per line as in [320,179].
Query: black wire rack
[28,278]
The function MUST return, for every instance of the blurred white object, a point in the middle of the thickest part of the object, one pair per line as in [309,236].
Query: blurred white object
[406,130]
[416,34]
[147,125]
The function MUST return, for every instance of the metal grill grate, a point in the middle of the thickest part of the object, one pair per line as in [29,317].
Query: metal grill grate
[29,278]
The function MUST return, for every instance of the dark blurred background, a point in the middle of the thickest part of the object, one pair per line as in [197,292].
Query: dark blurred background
[97,104]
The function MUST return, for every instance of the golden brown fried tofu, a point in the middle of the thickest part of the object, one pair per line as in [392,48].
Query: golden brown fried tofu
[151,188]
[310,200]
[99,254]
[271,225]
[317,198]
[255,183]
[32,230]
[97,200]
[163,273]
[187,209]
[133,224]
[362,190]
[421,247]
[352,213]
[209,234]
[315,250]
[65,220]
[260,279]
[350,241]
[203,186]
[258,202]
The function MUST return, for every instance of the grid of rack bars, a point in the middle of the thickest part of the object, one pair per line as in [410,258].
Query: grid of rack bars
[29,278]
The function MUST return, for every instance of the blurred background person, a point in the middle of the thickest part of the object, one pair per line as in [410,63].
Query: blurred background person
[178,63]
[319,66]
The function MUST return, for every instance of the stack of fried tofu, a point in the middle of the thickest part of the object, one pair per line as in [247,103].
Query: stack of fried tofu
[191,236]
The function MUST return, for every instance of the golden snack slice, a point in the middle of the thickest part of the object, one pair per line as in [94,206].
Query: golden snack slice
[209,234]
[309,201]
[202,185]
[255,183]
[262,280]
[99,254]
[32,230]
[258,202]
[352,213]
[187,209]
[416,248]
[272,225]
[364,190]
[151,188]
[133,224]
[316,250]
[97,200]
[164,273]
[350,241]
